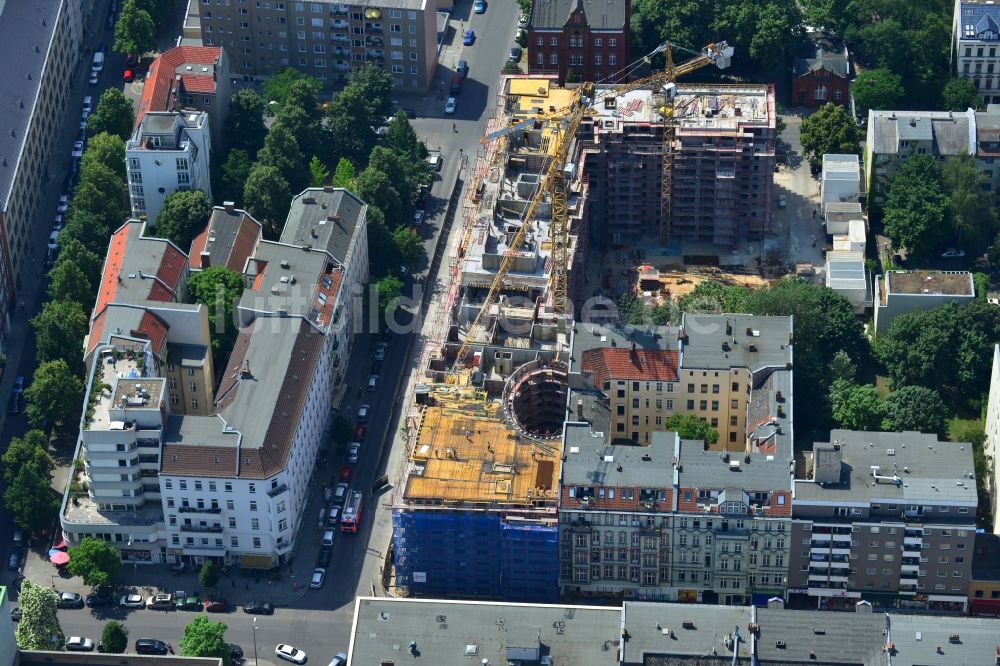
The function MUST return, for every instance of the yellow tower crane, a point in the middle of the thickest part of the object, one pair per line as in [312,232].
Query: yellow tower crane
[554,185]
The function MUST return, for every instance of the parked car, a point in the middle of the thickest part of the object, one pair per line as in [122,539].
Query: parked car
[94,77]
[479,6]
[782,201]
[79,644]
[328,537]
[19,388]
[216,605]
[15,614]
[319,573]
[88,103]
[339,659]
[353,452]
[418,218]
[190,604]
[63,205]
[15,404]
[77,149]
[258,608]
[339,493]
[435,160]
[99,600]
[346,472]
[128,76]
[455,87]
[14,559]
[360,430]
[372,384]
[952,253]
[18,538]
[380,351]
[132,601]
[290,653]
[235,653]
[463,68]
[70,600]
[469,38]
[449,106]
[324,556]
[161,602]
[515,53]
[151,646]
[363,413]
[522,21]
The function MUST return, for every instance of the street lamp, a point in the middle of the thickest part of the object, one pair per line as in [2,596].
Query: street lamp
[255,642]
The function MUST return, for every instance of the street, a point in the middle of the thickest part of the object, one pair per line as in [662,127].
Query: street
[319,621]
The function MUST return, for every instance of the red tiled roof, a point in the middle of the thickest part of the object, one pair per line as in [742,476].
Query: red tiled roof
[245,243]
[198,83]
[198,246]
[153,328]
[112,267]
[615,363]
[172,265]
[156,91]
[96,328]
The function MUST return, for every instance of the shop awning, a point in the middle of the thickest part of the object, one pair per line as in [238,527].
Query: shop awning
[255,561]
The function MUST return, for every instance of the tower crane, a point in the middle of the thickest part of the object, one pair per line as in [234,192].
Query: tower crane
[553,183]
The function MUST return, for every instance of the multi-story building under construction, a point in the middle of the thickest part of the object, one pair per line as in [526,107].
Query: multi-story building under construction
[723,165]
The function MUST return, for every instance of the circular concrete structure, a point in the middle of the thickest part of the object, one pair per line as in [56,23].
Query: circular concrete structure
[534,398]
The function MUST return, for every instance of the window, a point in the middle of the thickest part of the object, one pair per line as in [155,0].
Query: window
[554,41]
[612,59]
[234,542]
[256,542]
[612,42]
[554,59]
[253,488]
[232,522]
[184,484]
[540,42]
[255,523]
[597,59]
[540,58]
[168,484]
[229,487]
[194,403]
[230,505]
[598,41]
[253,505]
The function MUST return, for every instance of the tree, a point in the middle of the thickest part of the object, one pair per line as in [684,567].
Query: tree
[345,174]
[282,152]
[135,31]
[244,127]
[842,367]
[319,175]
[204,638]
[219,289]
[72,251]
[915,408]
[208,575]
[95,561]
[363,103]
[689,426]
[101,191]
[829,130]
[31,500]
[113,115]
[59,331]
[856,407]
[381,250]
[279,87]
[969,201]
[877,89]
[709,296]
[68,283]
[341,429]
[960,94]
[28,451]
[114,637]
[914,211]
[376,189]
[54,395]
[389,289]
[405,172]
[39,626]
[267,196]
[402,139]
[408,245]
[235,172]
[185,213]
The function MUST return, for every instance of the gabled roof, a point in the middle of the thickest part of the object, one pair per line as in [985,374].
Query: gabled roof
[651,365]
[157,93]
[831,59]
[980,21]
[139,269]
[605,15]
[229,239]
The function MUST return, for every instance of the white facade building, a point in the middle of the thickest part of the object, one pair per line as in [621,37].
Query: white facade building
[168,151]
[992,446]
[899,292]
[841,179]
[975,45]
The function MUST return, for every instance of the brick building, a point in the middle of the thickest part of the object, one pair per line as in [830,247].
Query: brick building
[821,75]
[589,38]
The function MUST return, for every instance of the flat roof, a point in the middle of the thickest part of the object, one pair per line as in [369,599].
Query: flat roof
[846,270]
[928,470]
[820,637]
[691,630]
[453,632]
[621,465]
[917,639]
[921,282]
[724,341]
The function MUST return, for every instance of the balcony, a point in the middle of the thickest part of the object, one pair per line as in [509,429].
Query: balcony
[374,54]
[194,509]
[274,492]
[338,10]
[207,529]
[339,24]
[340,37]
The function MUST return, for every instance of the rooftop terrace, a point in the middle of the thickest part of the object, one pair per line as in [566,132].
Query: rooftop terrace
[953,283]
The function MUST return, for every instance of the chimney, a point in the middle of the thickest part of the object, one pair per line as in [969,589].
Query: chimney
[334,218]
[579,409]
[729,328]
[230,206]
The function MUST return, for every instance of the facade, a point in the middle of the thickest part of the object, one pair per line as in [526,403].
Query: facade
[984,586]
[975,38]
[327,40]
[822,75]
[847,274]
[577,41]
[189,78]
[216,472]
[723,166]
[886,517]
[899,292]
[41,41]
[168,151]
[991,447]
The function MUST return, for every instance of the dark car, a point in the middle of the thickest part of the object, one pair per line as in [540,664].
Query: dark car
[15,404]
[14,560]
[258,608]
[70,600]
[324,556]
[15,614]
[463,68]
[99,600]
[235,652]
[456,84]
[190,604]
[150,646]
[216,605]
[410,113]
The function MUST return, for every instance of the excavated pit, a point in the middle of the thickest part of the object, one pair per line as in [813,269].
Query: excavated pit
[535,399]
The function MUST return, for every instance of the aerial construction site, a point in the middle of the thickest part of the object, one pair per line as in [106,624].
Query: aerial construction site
[563,172]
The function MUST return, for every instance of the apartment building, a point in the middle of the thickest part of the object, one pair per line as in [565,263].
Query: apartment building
[984,584]
[327,40]
[179,470]
[189,78]
[899,292]
[975,37]
[722,175]
[991,447]
[39,42]
[169,151]
[885,517]
[822,73]
[579,41]
[229,239]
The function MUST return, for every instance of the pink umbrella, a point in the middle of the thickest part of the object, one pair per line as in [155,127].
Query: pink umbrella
[59,558]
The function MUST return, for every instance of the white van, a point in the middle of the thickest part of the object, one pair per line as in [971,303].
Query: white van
[98,62]
[333,520]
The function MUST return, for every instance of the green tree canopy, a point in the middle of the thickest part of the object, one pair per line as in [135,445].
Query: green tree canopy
[319,175]
[28,451]
[842,367]
[856,407]
[829,130]
[208,575]
[185,213]
[135,31]
[54,395]
[68,283]
[877,89]
[267,197]
[219,289]
[101,191]
[39,626]
[709,296]
[914,211]
[72,251]
[969,202]
[235,172]
[408,245]
[244,127]
[406,174]
[114,115]
[281,151]
[960,94]
[389,289]
[31,500]
[403,140]
[345,174]
[59,331]
[915,408]
[376,189]
[95,561]
[689,426]
[114,637]
[362,104]
[204,638]
[382,255]
[279,87]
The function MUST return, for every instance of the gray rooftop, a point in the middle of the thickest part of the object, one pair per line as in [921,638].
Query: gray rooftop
[709,469]
[622,465]
[682,629]
[818,55]
[325,219]
[192,430]
[726,341]
[227,240]
[918,637]
[26,30]
[187,355]
[471,632]
[605,15]
[949,132]
[288,281]
[927,470]
[820,637]
[600,336]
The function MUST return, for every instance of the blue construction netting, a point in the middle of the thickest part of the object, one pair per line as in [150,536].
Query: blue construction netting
[477,555]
